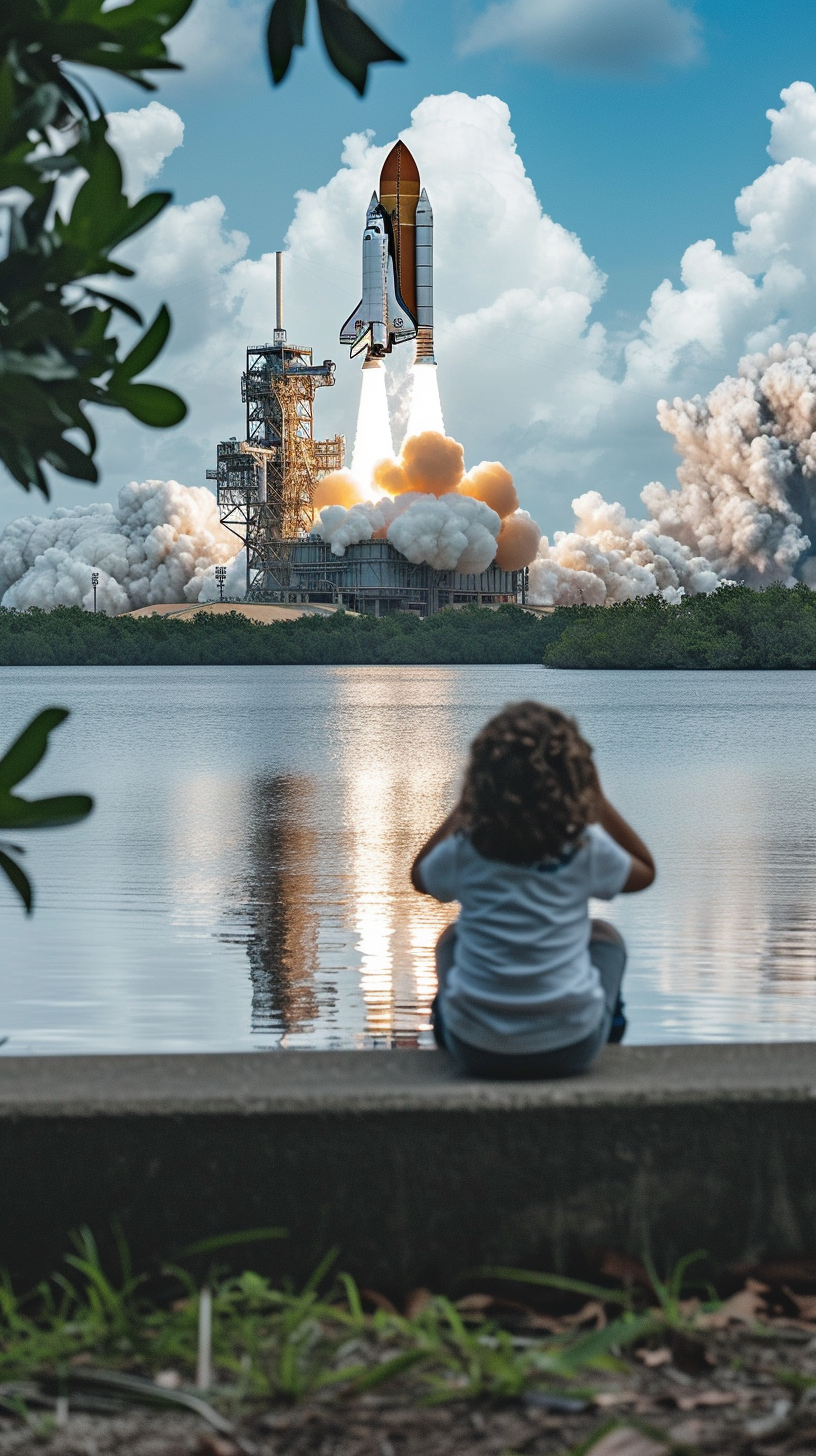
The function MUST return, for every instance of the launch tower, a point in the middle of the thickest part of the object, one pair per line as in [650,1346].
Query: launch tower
[265,482]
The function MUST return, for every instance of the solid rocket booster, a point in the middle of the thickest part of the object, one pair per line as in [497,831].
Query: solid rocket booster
[397,301]
[424,280]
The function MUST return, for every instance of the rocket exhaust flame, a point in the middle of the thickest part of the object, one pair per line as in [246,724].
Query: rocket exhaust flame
[426,406]
[372,441]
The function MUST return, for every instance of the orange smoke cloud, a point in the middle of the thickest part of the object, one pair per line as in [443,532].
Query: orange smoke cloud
[389,476]
[518,541]
[491,483]
[430,463]
[338,488]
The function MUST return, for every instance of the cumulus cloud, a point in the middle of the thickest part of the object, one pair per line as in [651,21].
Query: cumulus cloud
[619,36]
[219,39]
[144,138]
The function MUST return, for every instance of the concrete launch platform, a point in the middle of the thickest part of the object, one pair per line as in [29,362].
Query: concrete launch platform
[414,1172]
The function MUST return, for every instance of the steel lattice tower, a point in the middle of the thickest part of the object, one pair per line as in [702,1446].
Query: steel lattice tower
[265,483]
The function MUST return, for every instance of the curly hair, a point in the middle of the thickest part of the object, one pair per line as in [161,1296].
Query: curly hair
[530,786]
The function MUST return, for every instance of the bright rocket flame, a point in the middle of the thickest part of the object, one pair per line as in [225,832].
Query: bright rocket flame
[372,441]
[426,406]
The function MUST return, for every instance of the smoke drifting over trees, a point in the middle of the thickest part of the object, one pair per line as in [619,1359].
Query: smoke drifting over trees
[745,509]
[156,545]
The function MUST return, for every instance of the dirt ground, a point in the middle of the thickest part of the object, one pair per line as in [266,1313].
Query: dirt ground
[744,1394]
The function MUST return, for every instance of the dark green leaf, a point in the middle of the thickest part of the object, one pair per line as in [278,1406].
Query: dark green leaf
[26,751]
[16,813]
[284,32]
[150,403]
[142,355]
[228,1241]
[18,879]
[351,43]
[117,303]
[66,458]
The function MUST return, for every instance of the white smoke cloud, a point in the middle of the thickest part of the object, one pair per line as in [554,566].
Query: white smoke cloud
[234,581]
[619,36]
[452,533]
[156,545]
[745,508]
[341,528]
[610,558]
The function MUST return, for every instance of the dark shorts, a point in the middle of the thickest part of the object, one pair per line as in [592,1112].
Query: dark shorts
[607,952]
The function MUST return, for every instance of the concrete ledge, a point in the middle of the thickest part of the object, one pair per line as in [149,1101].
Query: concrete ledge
[398,1081]
[414,1171]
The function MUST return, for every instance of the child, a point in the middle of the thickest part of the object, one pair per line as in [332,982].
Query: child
[528,985]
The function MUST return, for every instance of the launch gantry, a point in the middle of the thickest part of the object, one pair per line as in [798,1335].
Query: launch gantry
[266,482]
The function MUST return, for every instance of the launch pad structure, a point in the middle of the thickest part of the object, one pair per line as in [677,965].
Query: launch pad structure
[265,487]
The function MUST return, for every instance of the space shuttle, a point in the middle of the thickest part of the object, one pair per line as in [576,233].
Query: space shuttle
[397,301]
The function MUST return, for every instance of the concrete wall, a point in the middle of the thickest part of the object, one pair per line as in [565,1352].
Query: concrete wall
[413,1171]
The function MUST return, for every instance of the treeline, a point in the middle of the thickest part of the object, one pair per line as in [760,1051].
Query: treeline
[733,628]
[68,636]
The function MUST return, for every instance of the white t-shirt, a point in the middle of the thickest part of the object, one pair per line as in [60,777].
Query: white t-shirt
[522,980]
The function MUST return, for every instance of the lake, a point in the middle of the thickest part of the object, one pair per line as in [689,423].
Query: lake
[243,881]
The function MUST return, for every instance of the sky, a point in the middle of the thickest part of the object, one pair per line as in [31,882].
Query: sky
[610,226]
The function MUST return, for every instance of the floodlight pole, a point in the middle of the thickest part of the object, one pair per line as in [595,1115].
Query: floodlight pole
[94,584]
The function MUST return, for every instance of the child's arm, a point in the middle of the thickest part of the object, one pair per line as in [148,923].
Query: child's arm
[447,827]
[643,866]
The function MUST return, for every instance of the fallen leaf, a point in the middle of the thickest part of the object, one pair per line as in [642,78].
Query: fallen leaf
[608,1399]
[654,1358]
[626,1441]
[379,1301]
[211,1445]
[620,1266]
[547,1322]
[592,1313]
[474,1302]
[743,1308]
[705,1398]
[417,1300]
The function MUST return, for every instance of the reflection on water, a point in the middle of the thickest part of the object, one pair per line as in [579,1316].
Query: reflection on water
[276,903]
[244,880]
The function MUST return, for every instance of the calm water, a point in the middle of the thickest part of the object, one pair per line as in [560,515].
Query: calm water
[244,879]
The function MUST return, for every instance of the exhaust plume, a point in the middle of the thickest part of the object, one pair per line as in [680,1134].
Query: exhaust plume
[338,488]
[156,545]
[745,509]
[491,483]
[426,406]
[518,541]
[372,442]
